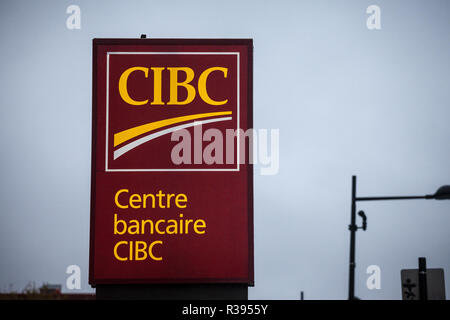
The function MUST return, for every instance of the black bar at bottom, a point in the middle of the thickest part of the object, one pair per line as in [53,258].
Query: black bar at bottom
[173,292]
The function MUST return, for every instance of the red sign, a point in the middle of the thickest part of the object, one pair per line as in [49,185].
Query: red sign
[172,186]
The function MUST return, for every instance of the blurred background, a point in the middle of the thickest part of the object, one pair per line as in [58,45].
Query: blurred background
[347,100]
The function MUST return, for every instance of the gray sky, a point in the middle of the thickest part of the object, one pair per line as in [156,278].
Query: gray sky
[347,100]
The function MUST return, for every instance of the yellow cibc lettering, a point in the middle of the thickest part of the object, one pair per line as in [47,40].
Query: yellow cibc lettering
[123,86]
[202,86]
[141,253]
[174,84]
[115,251]
[150,250]
[157,86]
[138,250]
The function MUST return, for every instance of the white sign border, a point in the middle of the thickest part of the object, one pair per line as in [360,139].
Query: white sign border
[170,53]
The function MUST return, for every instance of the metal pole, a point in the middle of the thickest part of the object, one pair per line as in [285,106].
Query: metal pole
[423,295]
[353,228]
[391,198]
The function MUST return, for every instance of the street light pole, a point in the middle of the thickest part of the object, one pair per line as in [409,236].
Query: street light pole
[352,227]
[443,193]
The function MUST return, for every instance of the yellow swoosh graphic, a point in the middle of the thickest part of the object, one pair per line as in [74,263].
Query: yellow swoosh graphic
[131,133]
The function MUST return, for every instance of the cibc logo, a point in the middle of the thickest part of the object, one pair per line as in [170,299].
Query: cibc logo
[151,95]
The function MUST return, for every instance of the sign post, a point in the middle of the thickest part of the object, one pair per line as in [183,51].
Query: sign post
[172,182]
[423,283]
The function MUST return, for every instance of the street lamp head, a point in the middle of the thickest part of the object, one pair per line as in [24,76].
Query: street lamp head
[443,193]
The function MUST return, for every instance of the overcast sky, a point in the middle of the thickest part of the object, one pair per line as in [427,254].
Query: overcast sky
[346,99]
